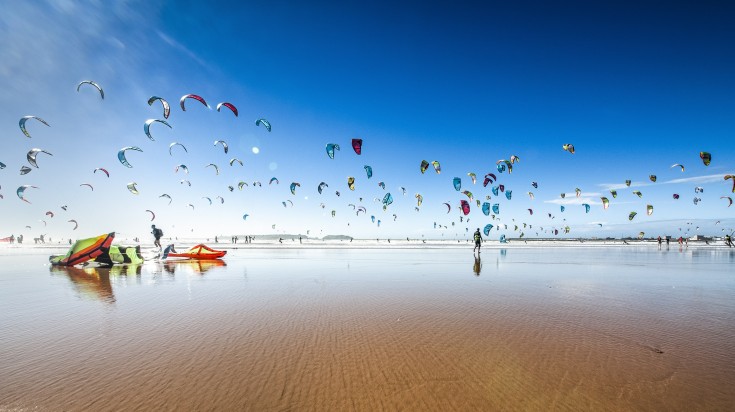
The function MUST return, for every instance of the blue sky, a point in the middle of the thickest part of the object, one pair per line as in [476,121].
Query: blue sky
[635,87]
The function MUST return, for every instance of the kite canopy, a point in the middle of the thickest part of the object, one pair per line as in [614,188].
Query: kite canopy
[706,158]
[264,123]
[95,85]
[331,147]
[194,97]
[229,106]
[84,250]
[166,107]
[357,146]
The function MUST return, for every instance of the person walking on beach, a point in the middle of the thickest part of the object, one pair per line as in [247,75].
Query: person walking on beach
[659,242]
[478,240]
[728,240]
[157,235]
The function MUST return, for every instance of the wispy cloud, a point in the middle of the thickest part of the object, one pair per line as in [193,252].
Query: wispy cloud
[696,179]
[575,201]
[693,179]
[180,47]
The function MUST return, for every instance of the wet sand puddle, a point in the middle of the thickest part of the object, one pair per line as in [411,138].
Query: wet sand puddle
[379,329]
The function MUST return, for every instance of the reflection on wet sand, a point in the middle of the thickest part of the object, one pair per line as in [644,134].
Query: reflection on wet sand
[192,265]
[477,266]
[90,282]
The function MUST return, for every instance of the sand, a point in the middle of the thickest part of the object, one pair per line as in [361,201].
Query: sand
[538,328]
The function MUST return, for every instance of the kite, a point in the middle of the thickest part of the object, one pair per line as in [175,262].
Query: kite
[147,127]
[508,194]
[76,225]
[229,106]
[331,147]
[638,193]
[495,190]
[676,196]
[562,208]
[530,195]
[369,171]
[50,213]
[381,185]
[515,159]
[496,209]
[731,177]
[22,124]
[489,178]
[465,207]
[502,188]
[605,202]
[210,200]
[293,187]
[31,156]
[568,147]
[351,183]
[176,144]
[706,158]
[273,179]
[234,159]
[586,207]
[419,199]
[535,185]
[87,184]
[486,229]
[221,199]
[424,166]
[132,188]
[449,208]
[677,164]
[265,124]
[182,181]
[437,166]
[360,209]
[84,250]
[649,210]
[698,189]
[169,197]
[486,209]
[182,167]
[728,198]
[387,199]
[652,178]
[103,170]
[321,187]
[357,146]
[578,192]
[2,165]
[223,143]
[245,216]
[166,107]
[473,177]
[22,189]
[153,215]
[632,215]
[191,96]
[121,155]
[216,169]
[530,211]
[614,193]
[284,203]
[627,183]
[468,194]
[97,86]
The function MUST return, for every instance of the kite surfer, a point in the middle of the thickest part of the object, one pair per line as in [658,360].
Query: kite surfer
[478,240]
[157,234]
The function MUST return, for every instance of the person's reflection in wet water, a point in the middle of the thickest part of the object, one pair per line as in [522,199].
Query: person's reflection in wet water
[477,267]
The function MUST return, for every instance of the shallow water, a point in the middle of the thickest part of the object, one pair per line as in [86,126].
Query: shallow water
[413,329]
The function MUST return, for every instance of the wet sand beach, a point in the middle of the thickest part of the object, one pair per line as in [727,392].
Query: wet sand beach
[570,328]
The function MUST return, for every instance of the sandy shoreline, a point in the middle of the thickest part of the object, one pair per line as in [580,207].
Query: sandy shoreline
[384,244]
[359,328]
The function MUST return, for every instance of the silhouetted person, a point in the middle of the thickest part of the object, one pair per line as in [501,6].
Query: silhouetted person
[478,240]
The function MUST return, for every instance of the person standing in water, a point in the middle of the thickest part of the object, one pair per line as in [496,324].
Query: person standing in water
[157,234]
[478,240]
